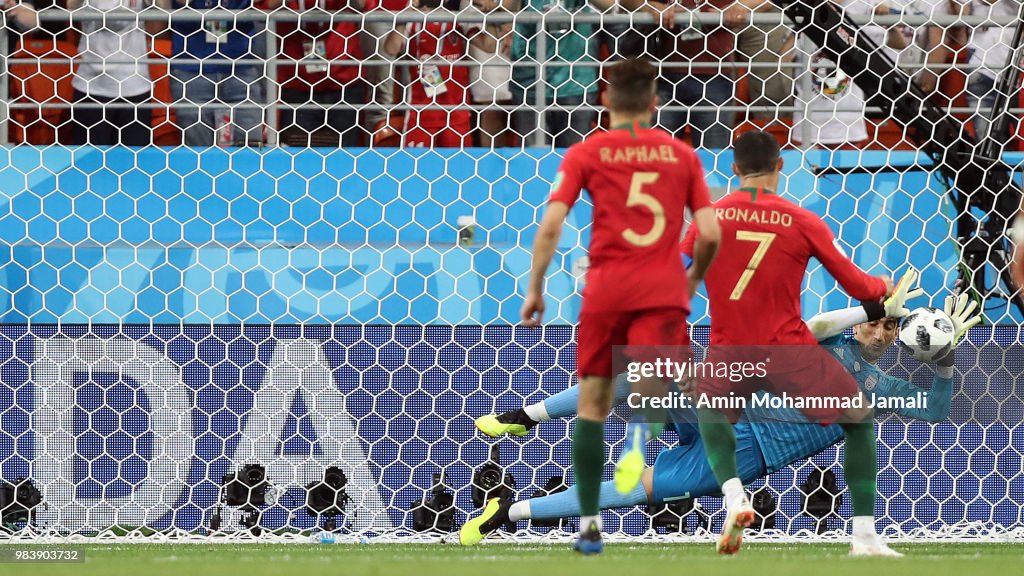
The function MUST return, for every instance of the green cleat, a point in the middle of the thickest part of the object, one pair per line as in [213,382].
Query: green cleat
[494,516]
[516,423]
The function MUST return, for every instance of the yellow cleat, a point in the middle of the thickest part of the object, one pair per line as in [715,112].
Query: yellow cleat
[473,531]
[629,469]
[491,425]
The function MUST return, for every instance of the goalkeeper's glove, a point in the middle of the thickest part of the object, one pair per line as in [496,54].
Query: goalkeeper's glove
[895,304]
[959,308]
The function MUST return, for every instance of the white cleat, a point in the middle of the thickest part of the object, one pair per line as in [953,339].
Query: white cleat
[740,517]
[873,547]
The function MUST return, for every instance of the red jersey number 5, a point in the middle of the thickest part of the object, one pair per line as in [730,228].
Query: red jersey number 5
[638,198]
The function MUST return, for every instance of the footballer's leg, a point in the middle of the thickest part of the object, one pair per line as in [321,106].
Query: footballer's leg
[588,458]
[599,333]
[565,504]
[861,469]
[719,440]
[561,405]
[680,472]
[813,372]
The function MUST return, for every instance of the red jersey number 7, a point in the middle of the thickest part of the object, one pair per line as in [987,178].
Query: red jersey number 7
[764,241]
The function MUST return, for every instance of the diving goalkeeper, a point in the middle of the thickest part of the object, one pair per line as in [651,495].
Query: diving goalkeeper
[767,439]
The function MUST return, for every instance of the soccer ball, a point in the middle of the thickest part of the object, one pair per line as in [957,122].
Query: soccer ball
[835,84]
[927,333]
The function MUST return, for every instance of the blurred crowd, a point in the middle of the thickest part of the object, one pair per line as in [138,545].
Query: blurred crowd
[374,82]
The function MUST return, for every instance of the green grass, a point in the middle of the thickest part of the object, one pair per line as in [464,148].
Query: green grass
[757,559]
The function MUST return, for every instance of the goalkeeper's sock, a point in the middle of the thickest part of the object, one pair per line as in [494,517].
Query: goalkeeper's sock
[860,465]
[588,463]
[719,442]
[566,504]
[564,403]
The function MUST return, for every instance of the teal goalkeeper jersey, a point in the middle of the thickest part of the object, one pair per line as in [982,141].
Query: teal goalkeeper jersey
[784,440]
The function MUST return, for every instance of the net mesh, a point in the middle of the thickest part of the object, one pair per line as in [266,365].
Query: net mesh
[304,249]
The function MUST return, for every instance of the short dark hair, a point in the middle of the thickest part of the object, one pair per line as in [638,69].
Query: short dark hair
[755,152]
[632,85]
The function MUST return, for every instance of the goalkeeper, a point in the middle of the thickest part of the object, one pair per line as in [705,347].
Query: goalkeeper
[767,439]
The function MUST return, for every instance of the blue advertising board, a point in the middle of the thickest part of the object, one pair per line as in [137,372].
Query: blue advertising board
[136,426]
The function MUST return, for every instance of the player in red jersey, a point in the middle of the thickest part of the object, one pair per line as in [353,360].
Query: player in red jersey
[754,294]
[641,180]
[437,45]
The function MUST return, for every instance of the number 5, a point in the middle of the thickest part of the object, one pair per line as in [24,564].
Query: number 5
[764,241]
[638,198]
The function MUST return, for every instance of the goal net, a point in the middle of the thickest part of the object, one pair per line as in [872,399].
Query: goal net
[280,316]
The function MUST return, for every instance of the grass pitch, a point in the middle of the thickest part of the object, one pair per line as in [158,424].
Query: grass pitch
[758,559]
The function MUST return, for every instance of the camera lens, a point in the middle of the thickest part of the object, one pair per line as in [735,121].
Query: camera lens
[489,478]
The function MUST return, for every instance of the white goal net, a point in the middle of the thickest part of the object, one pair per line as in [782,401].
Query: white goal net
[253,251]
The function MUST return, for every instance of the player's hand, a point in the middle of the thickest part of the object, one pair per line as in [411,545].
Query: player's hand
[961,310]
[895,304]
[533,310]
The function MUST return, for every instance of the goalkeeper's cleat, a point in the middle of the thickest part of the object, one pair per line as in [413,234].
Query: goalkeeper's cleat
[740,517]
[629,469]
[494,516]
[516,423]
[873,547]
[589,541]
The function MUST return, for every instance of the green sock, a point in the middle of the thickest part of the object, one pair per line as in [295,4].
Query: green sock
[719,442]
[860,464]
[588,464]
[655,419]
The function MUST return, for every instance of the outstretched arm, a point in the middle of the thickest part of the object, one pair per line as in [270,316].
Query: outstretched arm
[829,324]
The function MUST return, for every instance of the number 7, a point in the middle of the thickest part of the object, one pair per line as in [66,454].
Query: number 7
[764,241]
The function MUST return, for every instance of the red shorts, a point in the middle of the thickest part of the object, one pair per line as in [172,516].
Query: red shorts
[807,371]
[600,332]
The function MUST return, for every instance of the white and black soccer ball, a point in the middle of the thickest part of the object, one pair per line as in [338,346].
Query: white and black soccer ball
[835,84]
[927,333]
